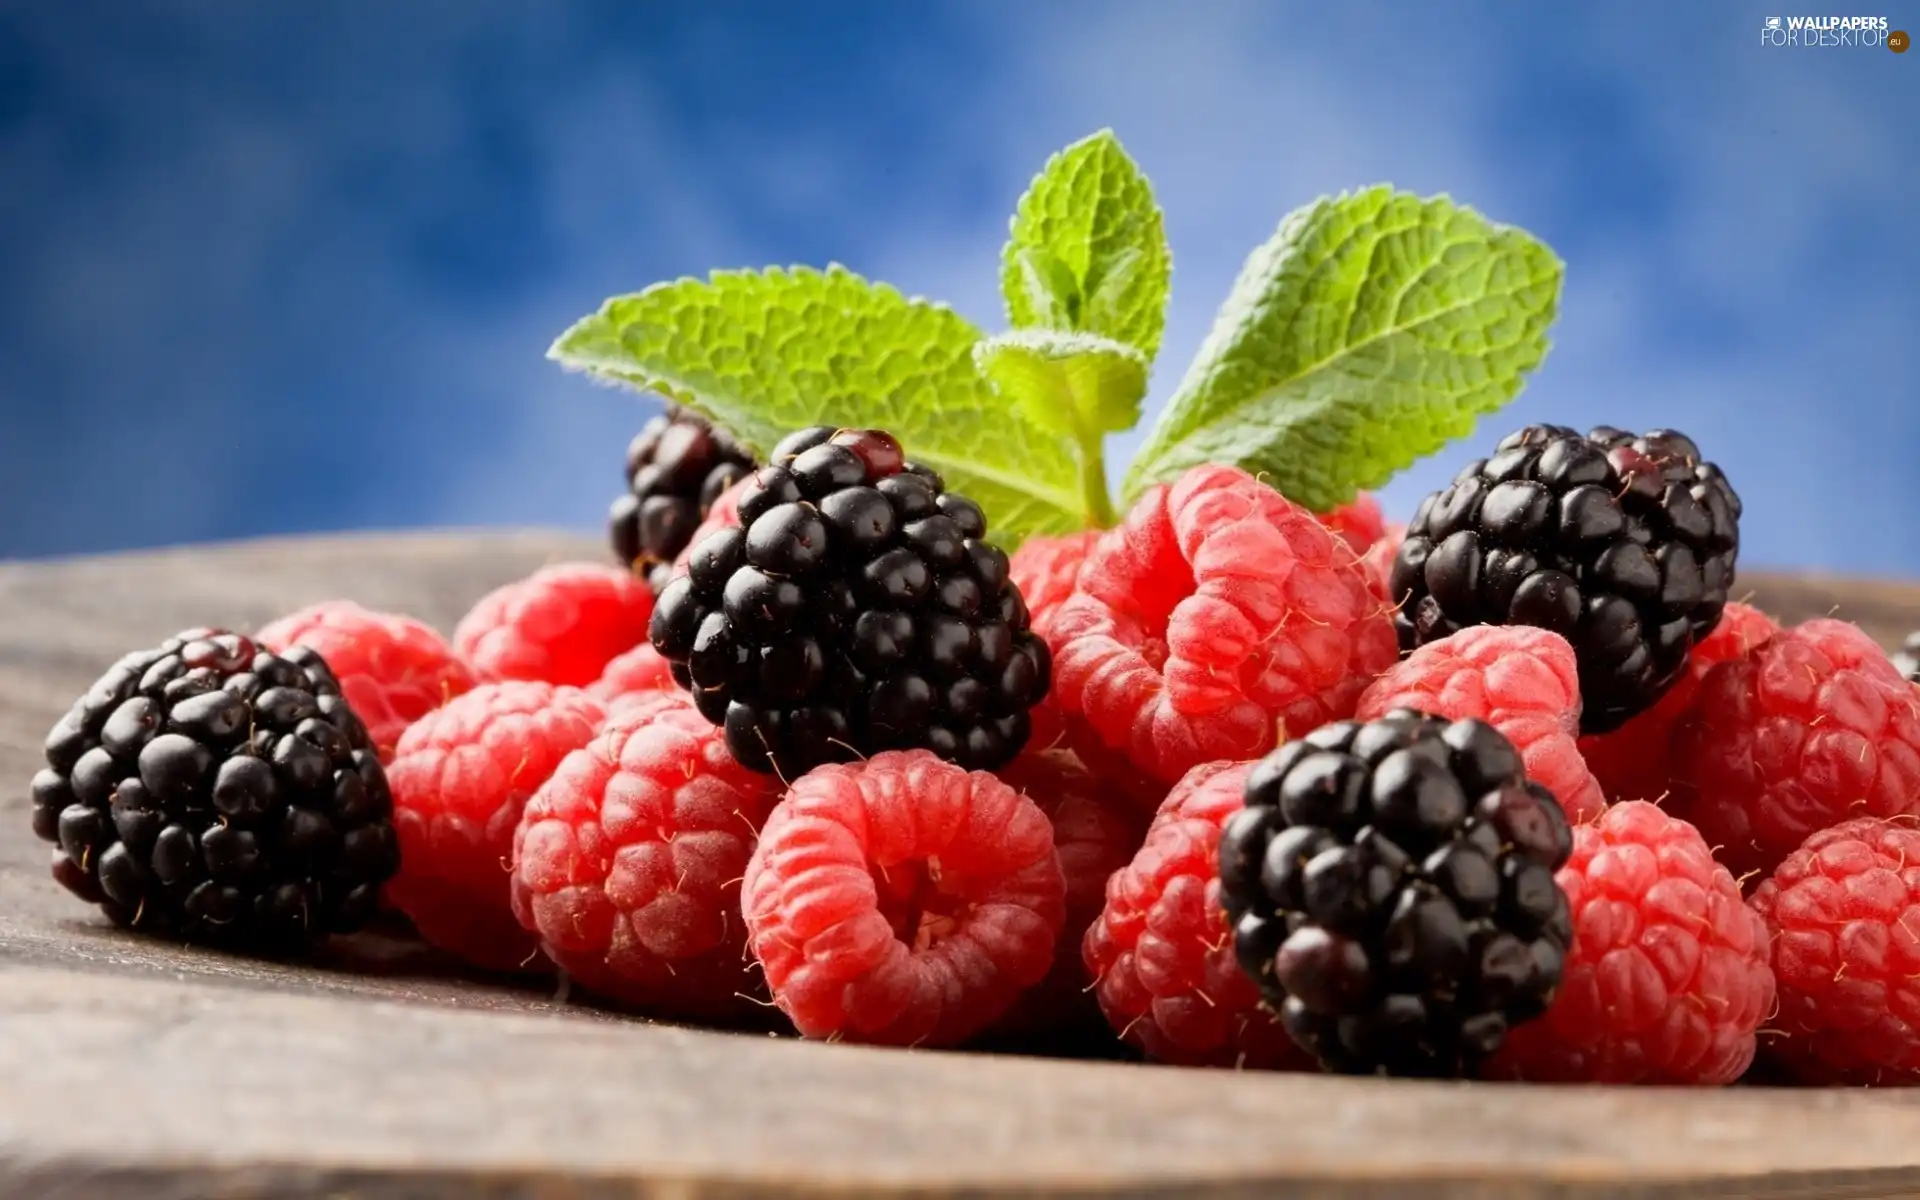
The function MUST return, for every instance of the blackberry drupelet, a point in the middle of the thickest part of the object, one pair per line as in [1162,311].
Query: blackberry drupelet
[677,466]
[1624,545]
[1391,889]
[857,609]
[219,793]
[1907,660]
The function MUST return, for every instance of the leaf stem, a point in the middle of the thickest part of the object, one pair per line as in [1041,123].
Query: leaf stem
[1093,481]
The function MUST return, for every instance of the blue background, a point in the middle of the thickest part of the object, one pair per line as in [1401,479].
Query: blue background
[271,267]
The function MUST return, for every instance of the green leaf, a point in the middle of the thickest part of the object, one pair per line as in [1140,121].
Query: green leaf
[1371,330]
[1073,384]
[1088,250]
[763,353]
[1047,286]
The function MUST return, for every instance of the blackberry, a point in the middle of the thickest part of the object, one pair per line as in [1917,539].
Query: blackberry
[857,609]
[1624,545]
[677,466]
[1907,660]
[219,793]
[1391,889]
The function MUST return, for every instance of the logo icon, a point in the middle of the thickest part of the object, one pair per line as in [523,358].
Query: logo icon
[1898,41]
[1773,24]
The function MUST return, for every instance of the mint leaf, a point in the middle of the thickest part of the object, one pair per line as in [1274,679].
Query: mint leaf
[1372,329]
[1047,286]
[1077,385]
[1088,250]
[766,352]
[1073,384]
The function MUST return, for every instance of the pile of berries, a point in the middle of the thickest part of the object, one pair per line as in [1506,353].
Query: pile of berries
[1518,792]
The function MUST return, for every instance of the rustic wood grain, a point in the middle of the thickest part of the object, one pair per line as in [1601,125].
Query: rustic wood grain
[129,1068]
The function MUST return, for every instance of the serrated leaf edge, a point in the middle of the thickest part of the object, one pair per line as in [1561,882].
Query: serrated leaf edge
[1056,344]
[1145,470]
[682,393]
[833,270]
[1109,141]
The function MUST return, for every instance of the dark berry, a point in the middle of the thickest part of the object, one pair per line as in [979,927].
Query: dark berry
[826,469]
[879,450]
[1623,544]
[912,497]
[218,793]
[861,517]
[766,489]
[789,539]
[799,442]
[858,610]
[677,466]
[1391,890]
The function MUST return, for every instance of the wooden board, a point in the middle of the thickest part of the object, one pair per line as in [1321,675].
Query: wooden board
[129,1068]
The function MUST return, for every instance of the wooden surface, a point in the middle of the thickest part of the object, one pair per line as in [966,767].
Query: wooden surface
[128,1068]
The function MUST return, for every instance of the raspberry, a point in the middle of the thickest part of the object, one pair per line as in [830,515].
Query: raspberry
[860,609]
[1218,612]
[627,863]
[1045,569]
[677,466]
[1162,952]
[1844,912]
[1632,762]
[1624,545]
[1359,522]
[562,625]
[1809,730]
[1378,560]
[1115,772]
[220,793]
[460,779]
[1667,981]
[903,900]
[1119,778]
[392,669]
[639,672]
[1520,680]
[1391,890]
[1094,838]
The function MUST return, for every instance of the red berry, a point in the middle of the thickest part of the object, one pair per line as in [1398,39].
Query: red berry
[1162,952]
[392,669]
[1045,570]
[1667,981]
[903,900]
[876,448]
[1632,762]
[1378,560]
[1359,522]
[1094,838]
[1218,613]
[641,671]
[627,863]
[1813,728]
[460,778]
[563,624]
[1844,910]
[1116,772]
[1520,680]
